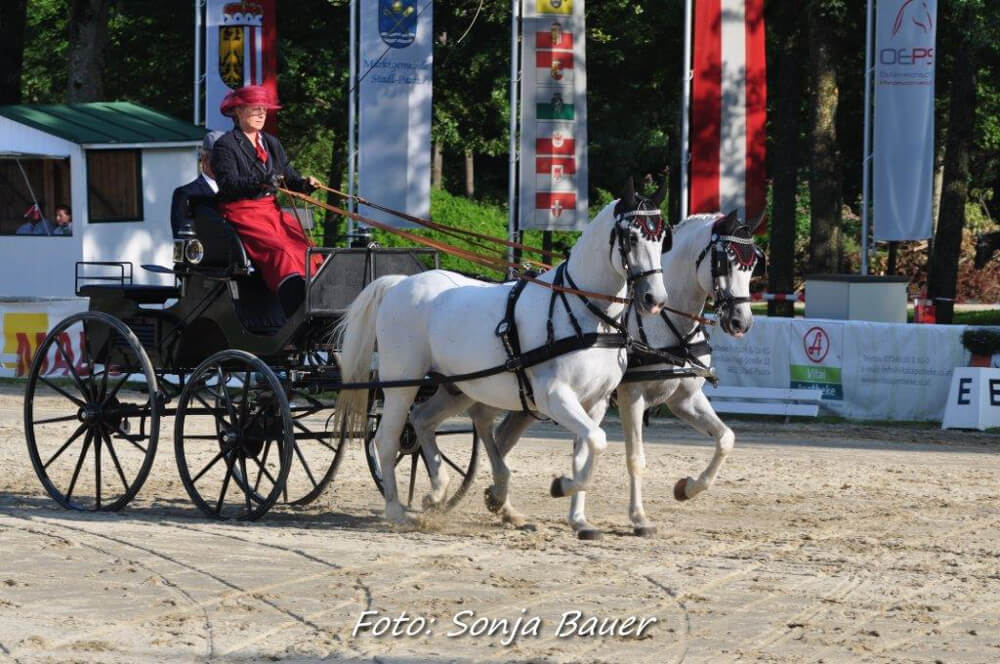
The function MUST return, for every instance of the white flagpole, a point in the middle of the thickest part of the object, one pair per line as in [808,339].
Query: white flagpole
[197,61]
[512,148]
[867,155]
[351,106]
[686,109]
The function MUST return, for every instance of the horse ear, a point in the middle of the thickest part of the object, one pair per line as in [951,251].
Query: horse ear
[661,193]
[761,221]
[729,223]
[628,197]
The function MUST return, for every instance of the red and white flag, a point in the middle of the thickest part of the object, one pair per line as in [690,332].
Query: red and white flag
[728,108]
[241,48]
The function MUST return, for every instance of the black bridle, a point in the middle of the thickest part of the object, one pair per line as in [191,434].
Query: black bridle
[645,219]
[739,247]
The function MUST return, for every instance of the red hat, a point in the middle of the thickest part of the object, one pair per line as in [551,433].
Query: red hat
[251,95]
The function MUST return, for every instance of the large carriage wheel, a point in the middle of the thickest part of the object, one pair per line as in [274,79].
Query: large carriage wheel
[233,436]
[317,452]
[92,413]
[412,480]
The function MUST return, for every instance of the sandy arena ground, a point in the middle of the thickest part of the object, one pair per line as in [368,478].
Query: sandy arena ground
[819,543]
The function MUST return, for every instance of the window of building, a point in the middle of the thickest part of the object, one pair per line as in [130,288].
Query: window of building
[114,185]
[25,180]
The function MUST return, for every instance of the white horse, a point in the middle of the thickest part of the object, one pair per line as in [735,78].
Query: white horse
[440,322]
[711,255]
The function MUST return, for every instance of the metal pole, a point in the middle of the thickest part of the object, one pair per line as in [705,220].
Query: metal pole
[866,162]
[197,60]
[686,108]
[512,148]
[351,118]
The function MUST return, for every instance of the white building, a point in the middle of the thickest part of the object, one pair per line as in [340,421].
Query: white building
[115,164]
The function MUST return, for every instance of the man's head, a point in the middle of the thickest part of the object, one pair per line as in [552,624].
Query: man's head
[64,216]
[206,152]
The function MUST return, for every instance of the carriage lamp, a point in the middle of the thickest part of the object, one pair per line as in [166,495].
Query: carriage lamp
[178,251]
[194,251]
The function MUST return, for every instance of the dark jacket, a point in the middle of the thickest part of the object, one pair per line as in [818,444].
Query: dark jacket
[240,174]
[183,204]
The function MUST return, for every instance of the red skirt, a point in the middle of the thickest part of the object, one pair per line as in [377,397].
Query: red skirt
[273,239]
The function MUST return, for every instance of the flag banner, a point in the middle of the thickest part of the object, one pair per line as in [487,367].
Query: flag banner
[728,108]
[553,194]
[394,119]
[903,150]
[241,48]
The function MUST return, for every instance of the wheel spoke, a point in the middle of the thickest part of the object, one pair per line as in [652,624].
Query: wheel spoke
[65,418]
[76,434]
[261,465]
[104,383]
[206,468]
[225,483]
[302,460]
[79,464]
[132,439]
[245,404]
[226,397]
[246,483]
[211,409]
[72,371]
[114,457]
[117,387]
[61,391]
[97,470]
[93,386]
[451,463]
[413,480]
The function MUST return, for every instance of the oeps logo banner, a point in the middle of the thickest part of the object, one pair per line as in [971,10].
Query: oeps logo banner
[904,119]
[394,120]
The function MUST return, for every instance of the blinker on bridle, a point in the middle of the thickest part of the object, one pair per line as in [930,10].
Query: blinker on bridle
[652,227]
[725,247]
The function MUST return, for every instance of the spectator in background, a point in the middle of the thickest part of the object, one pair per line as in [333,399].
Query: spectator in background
[203,187]
[36,223]
[64,221]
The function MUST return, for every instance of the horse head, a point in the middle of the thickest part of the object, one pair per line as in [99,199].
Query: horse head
[724,258]
[642,236]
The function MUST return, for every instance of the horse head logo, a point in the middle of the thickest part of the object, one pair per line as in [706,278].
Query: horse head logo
[913,13]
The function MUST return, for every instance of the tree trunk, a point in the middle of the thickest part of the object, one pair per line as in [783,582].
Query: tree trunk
[12,21]
[335,226]
[784,152]
[824,171]
[936,190]
[88,36]
[470,175]
[943,272]
[437,167]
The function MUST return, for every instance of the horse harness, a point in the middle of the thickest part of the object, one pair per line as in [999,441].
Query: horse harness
[652,226]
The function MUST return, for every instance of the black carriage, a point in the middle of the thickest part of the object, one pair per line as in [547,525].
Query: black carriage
[252,394]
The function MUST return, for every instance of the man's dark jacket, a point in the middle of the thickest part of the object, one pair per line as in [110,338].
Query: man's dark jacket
[240,174]
[186,198]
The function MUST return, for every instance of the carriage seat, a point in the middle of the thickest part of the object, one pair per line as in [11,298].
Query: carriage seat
[138,293]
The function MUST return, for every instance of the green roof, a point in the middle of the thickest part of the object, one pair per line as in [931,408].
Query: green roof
[104,122]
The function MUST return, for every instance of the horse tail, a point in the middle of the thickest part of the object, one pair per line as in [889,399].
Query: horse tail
[354,335]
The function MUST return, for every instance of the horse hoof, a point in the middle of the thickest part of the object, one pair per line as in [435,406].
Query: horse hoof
[680,489]
[429,504]
[589,534]
[644,531]
[557,489]
[492,504]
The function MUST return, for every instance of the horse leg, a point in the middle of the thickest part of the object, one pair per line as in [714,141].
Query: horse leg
[394,412]
[693,407]
[583,458]
[498,443]
[631,406]
[425,418]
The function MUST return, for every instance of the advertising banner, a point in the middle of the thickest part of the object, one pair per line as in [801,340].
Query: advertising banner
[903,153]
[394,120]
[881,371]
[553,178]
[23,328]
[241,48]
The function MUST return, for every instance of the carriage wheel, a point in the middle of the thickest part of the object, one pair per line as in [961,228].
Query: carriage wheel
[92,413]
[233,436]
[411,477]
[317,453]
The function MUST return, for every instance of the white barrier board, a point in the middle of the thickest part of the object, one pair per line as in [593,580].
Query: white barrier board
[866,370]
